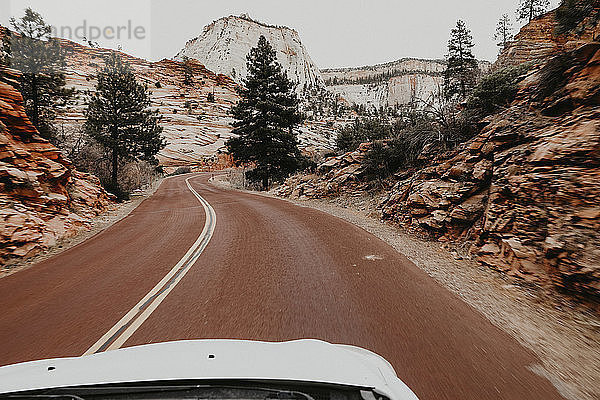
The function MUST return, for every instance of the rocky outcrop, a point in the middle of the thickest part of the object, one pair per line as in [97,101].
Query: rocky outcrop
[224,44]
[540,39]
[42,198]
[336,175]
[524,191]
[401,82]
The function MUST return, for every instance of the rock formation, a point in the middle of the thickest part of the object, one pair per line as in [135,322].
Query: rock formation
[42,198]
[539,40]
[524,191]
[399,82]
[194,128]
[223,45]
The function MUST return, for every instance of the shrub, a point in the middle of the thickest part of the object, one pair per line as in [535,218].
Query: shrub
[360,131]
[401,151]
[89,156]
[181,171]
[497,89]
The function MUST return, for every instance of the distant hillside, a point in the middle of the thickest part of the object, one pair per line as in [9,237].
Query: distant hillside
[393,83]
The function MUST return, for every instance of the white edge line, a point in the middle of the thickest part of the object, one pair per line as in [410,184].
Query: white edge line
[207,230]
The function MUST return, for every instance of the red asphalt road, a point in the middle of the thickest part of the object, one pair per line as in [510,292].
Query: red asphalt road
[272,271]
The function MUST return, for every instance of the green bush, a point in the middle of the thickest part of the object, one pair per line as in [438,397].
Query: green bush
[360,131]
[497,89]
[386,157]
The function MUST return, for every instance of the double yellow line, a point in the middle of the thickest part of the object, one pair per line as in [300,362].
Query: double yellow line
[122,330]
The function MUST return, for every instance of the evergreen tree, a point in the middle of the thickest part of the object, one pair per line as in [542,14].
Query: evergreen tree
[119,117]
[4,47]
[188,72]
[504,31]
[529,9]
[40,60]
[265,117]
[461,72]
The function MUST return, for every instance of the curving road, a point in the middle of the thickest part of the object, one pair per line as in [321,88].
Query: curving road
[258,268]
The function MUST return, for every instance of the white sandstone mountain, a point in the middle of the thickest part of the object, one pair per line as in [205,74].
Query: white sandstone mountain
[223,45]
[399,82]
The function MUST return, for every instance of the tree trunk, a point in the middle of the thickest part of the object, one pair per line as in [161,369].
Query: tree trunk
[115,166]
[531,12]
[265,182]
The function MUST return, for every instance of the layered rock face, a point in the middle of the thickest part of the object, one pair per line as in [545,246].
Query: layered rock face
[539,40]
[406,81]
[223,46]
[194,128]
[526,189]
[42,198]
[336,175]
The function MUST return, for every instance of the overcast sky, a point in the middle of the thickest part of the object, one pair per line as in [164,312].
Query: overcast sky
[337,33]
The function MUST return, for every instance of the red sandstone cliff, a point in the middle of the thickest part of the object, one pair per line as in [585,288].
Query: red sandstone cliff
[42,198]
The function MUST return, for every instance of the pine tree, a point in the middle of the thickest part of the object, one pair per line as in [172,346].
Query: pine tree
[265,117]
[120,119]
[461,71]
[4,47]
[504,31]
[529,9]
[40,60]
[188,72]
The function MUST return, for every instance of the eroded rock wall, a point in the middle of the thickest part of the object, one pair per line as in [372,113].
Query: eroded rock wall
[42,198]
[526,189]
[540,39]
[401,82]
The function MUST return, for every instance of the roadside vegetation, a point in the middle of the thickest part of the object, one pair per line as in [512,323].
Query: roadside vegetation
[131,134]
[407,137]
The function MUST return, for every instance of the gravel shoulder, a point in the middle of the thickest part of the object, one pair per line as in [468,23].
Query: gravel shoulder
[564,335]
[114,214]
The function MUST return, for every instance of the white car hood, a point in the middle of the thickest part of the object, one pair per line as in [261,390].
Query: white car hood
[299,360]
